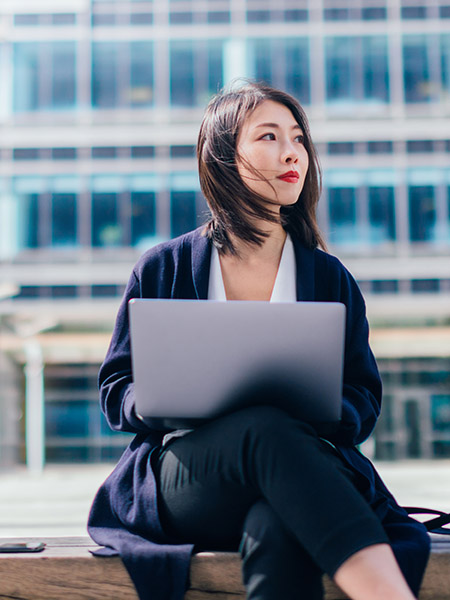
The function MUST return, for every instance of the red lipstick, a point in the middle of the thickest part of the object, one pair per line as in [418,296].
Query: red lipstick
[289,177]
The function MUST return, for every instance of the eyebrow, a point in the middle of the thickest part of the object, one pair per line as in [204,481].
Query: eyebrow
[296,126]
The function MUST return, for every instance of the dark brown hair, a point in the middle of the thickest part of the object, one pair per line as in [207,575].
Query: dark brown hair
[233,205]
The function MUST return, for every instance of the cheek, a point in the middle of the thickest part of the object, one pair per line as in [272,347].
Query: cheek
[304,160]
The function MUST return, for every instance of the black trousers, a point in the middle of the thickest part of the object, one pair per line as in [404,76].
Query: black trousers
[266,483]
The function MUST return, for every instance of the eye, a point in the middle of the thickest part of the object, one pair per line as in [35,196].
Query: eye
[300,138]
[268,136]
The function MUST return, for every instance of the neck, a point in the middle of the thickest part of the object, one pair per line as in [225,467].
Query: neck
[270,249]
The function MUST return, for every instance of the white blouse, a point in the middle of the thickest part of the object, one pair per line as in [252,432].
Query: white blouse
[284,289]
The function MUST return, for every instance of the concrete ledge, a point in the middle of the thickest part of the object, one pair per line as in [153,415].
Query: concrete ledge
[66,570]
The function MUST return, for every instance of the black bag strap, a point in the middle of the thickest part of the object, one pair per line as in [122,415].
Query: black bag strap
[435,525]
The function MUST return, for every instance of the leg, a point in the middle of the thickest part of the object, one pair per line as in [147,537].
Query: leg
[209,479]
[274,565]
[373,574]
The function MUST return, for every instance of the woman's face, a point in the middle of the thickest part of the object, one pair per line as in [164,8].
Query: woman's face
[271,141]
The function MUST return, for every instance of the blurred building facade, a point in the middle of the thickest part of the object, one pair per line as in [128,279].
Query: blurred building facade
[100,104]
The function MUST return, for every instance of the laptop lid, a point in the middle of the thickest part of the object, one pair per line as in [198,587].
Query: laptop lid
[197,359]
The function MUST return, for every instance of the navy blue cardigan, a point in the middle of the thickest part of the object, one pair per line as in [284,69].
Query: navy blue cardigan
[124,515]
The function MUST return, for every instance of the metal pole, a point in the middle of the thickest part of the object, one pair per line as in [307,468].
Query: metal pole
[34,407]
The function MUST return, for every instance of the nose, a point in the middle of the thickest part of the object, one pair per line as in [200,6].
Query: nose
[289,154]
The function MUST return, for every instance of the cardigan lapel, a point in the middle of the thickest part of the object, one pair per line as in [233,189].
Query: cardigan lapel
[200,263]
[305,271]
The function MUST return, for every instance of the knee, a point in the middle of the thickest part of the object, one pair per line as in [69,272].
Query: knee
[263,528]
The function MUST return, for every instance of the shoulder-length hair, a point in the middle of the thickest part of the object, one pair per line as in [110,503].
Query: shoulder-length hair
[234,206]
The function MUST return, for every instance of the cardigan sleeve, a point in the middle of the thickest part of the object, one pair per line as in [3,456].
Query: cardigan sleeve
[115,376]
[361,402]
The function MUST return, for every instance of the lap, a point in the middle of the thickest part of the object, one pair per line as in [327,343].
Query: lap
[204,491]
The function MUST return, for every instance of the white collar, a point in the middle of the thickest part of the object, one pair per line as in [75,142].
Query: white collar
[284,289]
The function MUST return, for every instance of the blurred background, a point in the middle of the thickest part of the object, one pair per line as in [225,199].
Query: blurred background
[100,104]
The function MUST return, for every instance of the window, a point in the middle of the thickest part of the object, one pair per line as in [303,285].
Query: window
[104,152]
[378,13]
[104,291]
[337,14]
[258,16]
[341,148]
[385,286]
[342,210]
[180,18]
[26,19]
[142,151]
[422,213]
[106,228]
[414,12]
[64,153]
[122,74]
[143,217]
[105,19]
[29,291]
[29,221]
[44,76]
[64,19]
[419,146]
[26,153]
[63,291]
[182,151]
[375,69]
[183,215]
[140,90]
[218,17]
[141,18]
[196,71]
[424,286]
[418,83]
[295,14]
[380,147]
[381,214]
[357,69]
[105,92]
[283,63]
[445,62]
[64,220]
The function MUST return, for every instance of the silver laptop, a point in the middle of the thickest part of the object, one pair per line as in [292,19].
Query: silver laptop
[194,360]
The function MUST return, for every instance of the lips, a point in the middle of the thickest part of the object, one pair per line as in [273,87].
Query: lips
[289,177]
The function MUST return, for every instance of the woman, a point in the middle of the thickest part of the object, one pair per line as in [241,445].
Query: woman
[295,504]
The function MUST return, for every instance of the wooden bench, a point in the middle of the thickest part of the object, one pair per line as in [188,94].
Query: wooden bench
[66,570]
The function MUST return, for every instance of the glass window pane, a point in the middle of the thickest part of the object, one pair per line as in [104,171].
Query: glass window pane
[64,75]
[182,74]
[29,220]
[106,230]
[66,419]
[141,74]
[262,68]
[143,217]
[422,213]
[296,59]
[182,212]
[416,69]
[445,62]
[215,66]
[381,214]
[375,68]
[64,220]
[340,60]
[105,70]
[26,76]
[342,210]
